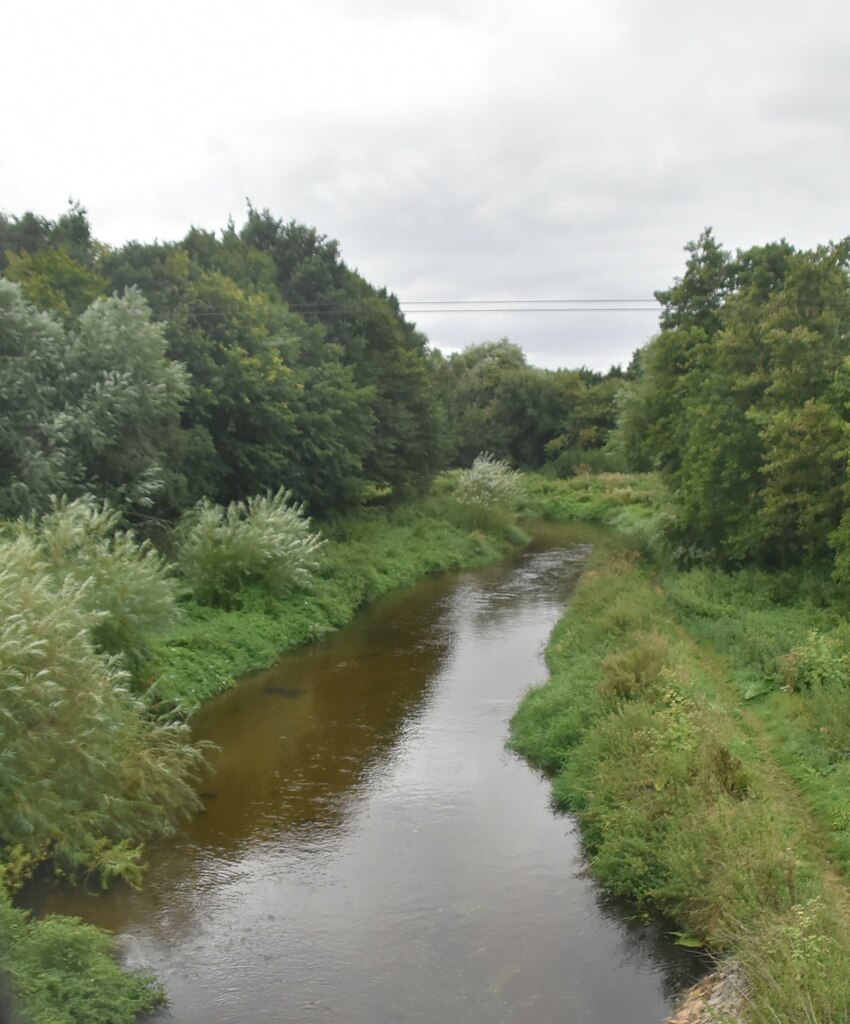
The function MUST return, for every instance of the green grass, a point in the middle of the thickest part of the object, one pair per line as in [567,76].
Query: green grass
[367,558]
[594,499]
[699,726]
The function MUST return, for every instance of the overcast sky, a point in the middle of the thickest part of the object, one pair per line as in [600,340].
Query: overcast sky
[457,149]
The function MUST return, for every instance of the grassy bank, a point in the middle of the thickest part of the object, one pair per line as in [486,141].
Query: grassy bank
[694,722]
[366,558]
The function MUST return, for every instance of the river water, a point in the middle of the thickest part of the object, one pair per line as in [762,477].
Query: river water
[369,853]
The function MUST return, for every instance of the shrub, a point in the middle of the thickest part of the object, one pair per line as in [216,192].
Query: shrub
[61,971]
[266,540]
[85,772]
[125,582]
[820,662]
[488,493]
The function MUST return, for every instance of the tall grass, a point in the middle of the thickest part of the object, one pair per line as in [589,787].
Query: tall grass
[266,541]
[680,810]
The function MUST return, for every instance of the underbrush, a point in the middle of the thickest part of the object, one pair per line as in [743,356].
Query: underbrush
[680,809]
[61,971]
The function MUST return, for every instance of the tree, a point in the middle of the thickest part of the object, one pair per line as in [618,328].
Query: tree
[741,401]
[32,234]
[56,282]
[34,457]
[386,354]
[270,400]
[124,398]
[695,300]
[94,408]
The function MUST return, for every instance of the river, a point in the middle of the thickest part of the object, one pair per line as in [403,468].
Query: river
[369,853]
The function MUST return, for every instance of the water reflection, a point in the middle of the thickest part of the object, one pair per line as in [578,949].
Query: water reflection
[369,852]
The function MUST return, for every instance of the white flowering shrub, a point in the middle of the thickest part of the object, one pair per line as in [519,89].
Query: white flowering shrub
[489,492]
[266,540]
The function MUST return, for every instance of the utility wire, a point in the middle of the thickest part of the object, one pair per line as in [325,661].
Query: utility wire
[534,309]
[493,302]
[422,307]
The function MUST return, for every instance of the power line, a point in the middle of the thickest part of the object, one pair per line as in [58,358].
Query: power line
[443,306]
[528,302]
[420,307]
[537,309]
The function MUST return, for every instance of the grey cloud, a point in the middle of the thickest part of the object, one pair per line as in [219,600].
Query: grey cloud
[571,150]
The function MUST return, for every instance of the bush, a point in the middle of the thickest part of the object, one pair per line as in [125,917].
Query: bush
[61,971]
[820,662]
[124,582]
[488,493]
[85,772]
[266,540]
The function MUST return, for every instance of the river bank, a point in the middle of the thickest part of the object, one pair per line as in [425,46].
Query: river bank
[369,852]
[680,726]
[204,652]
[695,722]
[364,559]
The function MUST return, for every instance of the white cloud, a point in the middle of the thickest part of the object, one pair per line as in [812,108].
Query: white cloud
[456,149]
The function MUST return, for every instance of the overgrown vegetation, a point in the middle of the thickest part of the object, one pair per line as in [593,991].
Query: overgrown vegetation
[696,723]
[61,971]
[88,769]
[697,717]
[365,558]
[223,366]
[266,541]
[91,765]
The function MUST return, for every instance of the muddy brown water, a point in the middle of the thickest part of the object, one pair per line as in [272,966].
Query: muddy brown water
[369,852]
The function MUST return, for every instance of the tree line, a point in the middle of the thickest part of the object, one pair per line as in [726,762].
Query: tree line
[230,364]
[742,402]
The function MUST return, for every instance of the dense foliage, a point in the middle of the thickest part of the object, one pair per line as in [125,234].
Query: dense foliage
[265,540]
[88,769]
[86,408]
[256,358]
[225,366]
[495,401]
[234,383]
[743,402]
